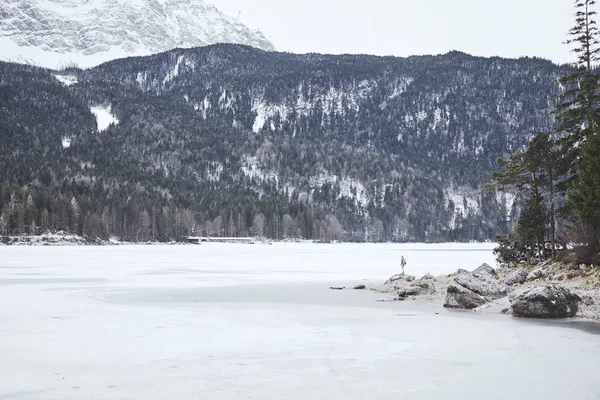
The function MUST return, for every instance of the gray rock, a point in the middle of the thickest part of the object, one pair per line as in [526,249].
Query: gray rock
[540,273]
[470,290]
[428,277]
[590,298]
[516,277]
[419,287]
[590,305]
[551,301]
[483,285]
[337,288]
[400,277]
[460,297]
[484,269]
[360,287]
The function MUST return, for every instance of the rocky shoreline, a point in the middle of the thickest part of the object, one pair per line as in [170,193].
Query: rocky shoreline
[543,291]
[66,239]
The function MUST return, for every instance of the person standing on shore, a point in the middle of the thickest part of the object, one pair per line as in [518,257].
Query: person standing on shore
[403,264]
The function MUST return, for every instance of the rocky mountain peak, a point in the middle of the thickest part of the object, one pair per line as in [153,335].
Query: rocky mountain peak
[86,33]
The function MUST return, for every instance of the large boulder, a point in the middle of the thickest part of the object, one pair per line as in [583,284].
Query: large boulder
[470,290]
[517,277]
[550,301]
[460,297]
[420,287]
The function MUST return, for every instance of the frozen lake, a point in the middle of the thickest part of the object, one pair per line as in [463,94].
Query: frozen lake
[259,322]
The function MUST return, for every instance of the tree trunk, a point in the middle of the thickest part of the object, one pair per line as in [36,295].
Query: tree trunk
[552,212]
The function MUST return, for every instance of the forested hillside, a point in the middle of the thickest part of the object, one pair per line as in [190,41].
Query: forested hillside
[230,140]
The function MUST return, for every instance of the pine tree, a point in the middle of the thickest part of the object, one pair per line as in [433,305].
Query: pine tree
[579,104]
[532,175]
[579,126]
[44,221]
[76,211]
[3,226]
[583,203]
[545,158]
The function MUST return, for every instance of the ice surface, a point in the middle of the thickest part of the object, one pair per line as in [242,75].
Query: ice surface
[259,322]
[104,117]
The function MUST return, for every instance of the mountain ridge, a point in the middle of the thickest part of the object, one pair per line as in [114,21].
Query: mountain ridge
[352,147]
[61,33]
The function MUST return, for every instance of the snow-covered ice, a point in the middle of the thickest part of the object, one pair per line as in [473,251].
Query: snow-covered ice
[104,117]
[222,321]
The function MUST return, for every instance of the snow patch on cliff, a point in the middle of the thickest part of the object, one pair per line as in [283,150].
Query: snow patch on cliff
[104,117]
[67,80]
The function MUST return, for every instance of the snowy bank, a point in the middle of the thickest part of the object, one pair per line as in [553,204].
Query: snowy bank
[473,290]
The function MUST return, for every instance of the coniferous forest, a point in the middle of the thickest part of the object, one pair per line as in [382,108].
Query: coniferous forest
[557,176]
[227,140]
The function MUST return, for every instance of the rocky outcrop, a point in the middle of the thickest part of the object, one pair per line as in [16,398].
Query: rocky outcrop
[460,297]
[419,287]
[550,301]
[470,290]
[485,270]
[516,278]
[540,273]
[590,305]
[399,277]
[41,33]
[360,287]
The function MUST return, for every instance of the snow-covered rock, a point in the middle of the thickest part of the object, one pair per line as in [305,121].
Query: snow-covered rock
[459,296]
[60,33]
[516,277]
[551,301]
[419,287]
[400,277]
[470,290]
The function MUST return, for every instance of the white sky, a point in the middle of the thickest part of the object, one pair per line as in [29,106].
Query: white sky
[508,28]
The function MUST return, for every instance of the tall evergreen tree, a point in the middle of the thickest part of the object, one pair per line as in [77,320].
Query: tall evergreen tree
[532,175]
[579,127]
[579,104]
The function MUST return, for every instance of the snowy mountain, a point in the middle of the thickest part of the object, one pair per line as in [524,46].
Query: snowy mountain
[86,33]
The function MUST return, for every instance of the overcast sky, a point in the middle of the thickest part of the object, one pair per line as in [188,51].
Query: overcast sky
[508,28]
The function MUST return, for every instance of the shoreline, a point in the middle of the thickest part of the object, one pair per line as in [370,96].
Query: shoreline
[577,281]
[67,239]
